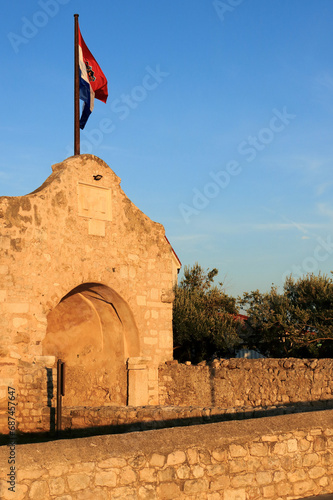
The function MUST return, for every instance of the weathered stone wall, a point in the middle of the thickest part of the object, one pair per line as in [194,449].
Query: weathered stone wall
[112,420]
[30,395]
[285,457]
[225,390]
[85,276]
[246,382]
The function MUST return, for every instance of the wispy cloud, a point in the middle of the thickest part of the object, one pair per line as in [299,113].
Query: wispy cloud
[287,226]
[325,209]
[320,189]
[325,80]
[307,163]
[244,228]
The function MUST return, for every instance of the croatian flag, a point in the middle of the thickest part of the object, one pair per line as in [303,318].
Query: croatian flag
[92,81]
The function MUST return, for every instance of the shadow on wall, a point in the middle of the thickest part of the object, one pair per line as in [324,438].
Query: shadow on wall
[50,394]
[134,419]
[93,331]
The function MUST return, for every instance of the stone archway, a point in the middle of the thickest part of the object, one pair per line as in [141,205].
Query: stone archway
[93,330]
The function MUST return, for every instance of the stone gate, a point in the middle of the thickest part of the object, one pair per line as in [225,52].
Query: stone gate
[85,276]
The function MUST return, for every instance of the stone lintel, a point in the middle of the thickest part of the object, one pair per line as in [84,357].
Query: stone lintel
[48,361]
[138,363]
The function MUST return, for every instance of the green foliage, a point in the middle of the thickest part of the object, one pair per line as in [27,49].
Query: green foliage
[203,317]
[298,322]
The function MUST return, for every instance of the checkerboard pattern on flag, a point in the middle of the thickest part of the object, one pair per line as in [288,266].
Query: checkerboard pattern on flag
[92,81]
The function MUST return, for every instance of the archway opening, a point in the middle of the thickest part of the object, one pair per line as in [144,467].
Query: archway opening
[93,330]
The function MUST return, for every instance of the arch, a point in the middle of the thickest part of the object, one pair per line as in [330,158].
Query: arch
[93,330]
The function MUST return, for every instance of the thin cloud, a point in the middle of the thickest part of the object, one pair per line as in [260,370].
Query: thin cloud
[243,228]
[322,188]
[325,80]
[325,209]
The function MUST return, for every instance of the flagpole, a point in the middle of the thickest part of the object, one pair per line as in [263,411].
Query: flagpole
[76,87]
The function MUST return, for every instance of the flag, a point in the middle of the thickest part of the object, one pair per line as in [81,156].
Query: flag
[92,81]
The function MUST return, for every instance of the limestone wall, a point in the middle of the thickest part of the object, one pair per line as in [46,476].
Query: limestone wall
[285,457]
[229,389]
[241,382]
[85,276]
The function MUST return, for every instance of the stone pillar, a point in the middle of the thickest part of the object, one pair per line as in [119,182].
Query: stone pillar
[138,381]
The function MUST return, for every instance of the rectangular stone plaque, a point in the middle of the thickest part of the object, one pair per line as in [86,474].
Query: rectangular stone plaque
[94,202]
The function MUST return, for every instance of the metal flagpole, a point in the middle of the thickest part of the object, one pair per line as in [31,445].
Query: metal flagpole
[76,87]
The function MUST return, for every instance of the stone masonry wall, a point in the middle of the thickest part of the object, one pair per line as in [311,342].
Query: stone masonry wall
[82,236]
[65,234]
[33,390]
[228,389]
[246,382]
[275,458]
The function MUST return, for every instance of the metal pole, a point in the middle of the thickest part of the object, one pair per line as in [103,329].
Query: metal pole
[76,87]
[59,394]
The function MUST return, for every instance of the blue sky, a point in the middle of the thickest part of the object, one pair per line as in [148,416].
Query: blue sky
[231,150]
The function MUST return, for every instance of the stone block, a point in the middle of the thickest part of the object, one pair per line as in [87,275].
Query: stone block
[150,341]
[269,492]
[279,476]
[183,472]
[292,445]
[237,466]
[242,480]
[316,472]
[96,227]
[319,443]
[304,487]
[127,476]
[219,455]
[280,449]
[123,493]
[147,492]
[16,307]
[235,494]
[20,492]
[197,471]
[57,486]
[39,490]
[91,494]
[78,482]
[18,322]
[264,478]
[215,470]
[310,460]
[176,457]
[23,474]
[236,451]
[141,300]
[214,496]
[147,475]
[157,460]
[168,491]
[258,450]
[297,475]
[194,486]
[304,445]
[166,475]
[94,202]
[3,269]
[219,483]
[106,478]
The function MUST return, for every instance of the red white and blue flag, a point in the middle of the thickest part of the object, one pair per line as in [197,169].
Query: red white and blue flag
[92,81]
